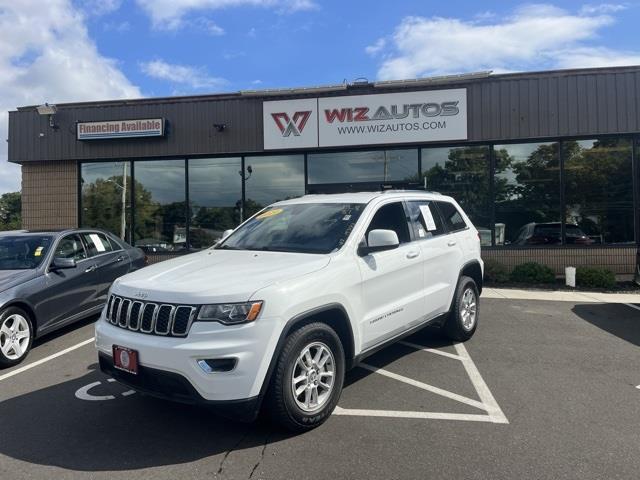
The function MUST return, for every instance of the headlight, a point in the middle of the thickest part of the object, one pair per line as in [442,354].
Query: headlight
[230,313]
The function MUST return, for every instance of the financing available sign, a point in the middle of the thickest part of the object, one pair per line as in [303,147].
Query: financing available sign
[426,116]
[147,127]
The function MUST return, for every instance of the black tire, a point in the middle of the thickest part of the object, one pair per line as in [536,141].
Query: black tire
[455,327]
[5,360]
[281,404]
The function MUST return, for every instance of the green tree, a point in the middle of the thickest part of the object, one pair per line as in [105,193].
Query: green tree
[11,211]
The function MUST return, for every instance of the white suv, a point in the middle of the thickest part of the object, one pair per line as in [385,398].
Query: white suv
[280,308]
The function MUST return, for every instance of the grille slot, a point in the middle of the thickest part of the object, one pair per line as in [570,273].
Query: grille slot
[150,318]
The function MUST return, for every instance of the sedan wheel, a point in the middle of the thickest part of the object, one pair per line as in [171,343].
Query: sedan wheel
[15,336]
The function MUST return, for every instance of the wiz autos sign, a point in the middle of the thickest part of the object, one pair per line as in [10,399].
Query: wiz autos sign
[366,119]
[150,127]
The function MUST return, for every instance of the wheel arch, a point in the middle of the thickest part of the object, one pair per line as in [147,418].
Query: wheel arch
[334,315]
[28,310]
[473,270]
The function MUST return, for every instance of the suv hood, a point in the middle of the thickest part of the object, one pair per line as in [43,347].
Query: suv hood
[11,278]
[216,276]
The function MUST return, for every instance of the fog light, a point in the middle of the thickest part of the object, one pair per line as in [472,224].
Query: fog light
[217,365]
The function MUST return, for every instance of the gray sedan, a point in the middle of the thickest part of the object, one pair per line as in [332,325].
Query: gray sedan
[51,279]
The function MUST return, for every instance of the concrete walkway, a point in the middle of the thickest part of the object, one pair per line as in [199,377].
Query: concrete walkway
[562,296]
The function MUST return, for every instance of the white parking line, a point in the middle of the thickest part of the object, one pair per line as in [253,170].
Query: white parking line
[46,359]
[487,403]
[632,306]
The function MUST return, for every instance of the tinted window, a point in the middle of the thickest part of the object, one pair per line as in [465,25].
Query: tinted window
[391,217]
[97,243]
[451,216]
[304,228]
[106,197]
[527,188]
[161,213]
[273,178]
[599,189]
[425,219]
[373,166]
[71,247]
[22,252]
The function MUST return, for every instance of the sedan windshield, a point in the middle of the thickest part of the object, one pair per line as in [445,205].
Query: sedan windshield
[302,227]
[22,252]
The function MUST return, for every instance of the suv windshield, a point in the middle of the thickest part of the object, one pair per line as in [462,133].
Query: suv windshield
[22,252]
[303,227]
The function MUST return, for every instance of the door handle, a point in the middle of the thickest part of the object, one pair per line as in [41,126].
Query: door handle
[451,243]
[120,258]
[413,254]
[90,269]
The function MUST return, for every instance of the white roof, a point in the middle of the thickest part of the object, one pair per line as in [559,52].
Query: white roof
[362,197]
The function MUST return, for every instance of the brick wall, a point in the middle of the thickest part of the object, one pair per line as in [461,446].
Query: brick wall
[620,260]
[49,195]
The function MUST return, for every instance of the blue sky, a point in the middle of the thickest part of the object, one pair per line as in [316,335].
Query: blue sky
[70,50]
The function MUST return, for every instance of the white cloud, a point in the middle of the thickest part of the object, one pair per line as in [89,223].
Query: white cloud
[194,77]
[55,62]
[377,47]
[590,9]
[100,7]
[169,14]
[532,37]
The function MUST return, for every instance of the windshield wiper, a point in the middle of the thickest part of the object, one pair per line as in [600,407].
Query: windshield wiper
[227,247]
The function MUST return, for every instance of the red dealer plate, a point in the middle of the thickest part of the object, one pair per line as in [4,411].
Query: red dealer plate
[125,359]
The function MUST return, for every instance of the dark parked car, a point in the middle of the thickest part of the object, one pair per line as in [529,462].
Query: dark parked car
[50,279]
[549,234]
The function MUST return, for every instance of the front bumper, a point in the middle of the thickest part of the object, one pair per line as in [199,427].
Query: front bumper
[173,362]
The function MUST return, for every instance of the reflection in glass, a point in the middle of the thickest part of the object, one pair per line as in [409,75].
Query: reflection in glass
[353,167]
[106,197]
[160,215]
[273,178]
[599,188]
[527,194]
[215,194]
[463,173]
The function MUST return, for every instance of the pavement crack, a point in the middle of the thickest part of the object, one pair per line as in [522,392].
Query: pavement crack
[232,449]
[264,448]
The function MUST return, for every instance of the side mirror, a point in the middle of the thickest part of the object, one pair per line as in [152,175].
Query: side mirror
[378,241]
[226,233]
[60,263]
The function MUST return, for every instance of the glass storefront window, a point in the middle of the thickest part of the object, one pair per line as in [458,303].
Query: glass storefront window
[463,173]
[106,197]
[215,196]
[362,167]
[527,194]
[598,191]
[273,178]
[160,207]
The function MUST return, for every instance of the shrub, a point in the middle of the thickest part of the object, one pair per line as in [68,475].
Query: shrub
[594,277]
[532,272]
[495,272]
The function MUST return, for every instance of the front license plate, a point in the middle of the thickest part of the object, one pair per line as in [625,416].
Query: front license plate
[125,359]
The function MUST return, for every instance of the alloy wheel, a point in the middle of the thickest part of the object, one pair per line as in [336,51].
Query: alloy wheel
[468,309]
[313,377]
[15,335]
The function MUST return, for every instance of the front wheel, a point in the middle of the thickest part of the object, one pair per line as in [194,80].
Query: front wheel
[16,336]
[308,378]
[465,311]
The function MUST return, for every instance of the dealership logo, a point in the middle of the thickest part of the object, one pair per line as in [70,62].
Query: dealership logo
[291,125]
[394,112]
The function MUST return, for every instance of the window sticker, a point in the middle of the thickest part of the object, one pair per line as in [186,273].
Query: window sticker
[38,252]
[270,213]
[421,232]
[428,217]
[97,242]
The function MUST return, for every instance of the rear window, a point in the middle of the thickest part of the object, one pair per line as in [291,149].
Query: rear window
[451,216]
[97,243]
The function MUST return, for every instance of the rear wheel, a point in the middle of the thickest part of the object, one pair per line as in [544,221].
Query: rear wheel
[16,336]
[308,379]
[465,311]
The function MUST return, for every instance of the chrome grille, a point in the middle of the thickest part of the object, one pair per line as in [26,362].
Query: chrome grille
[151,318]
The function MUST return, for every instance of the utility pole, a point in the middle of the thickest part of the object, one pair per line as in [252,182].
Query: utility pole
[123,225]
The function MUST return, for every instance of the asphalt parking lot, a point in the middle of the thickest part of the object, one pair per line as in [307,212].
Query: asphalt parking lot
[544,390]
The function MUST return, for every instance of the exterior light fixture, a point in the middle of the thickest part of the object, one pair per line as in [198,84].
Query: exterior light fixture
[49,110]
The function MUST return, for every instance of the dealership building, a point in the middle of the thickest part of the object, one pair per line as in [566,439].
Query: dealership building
[544,163]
